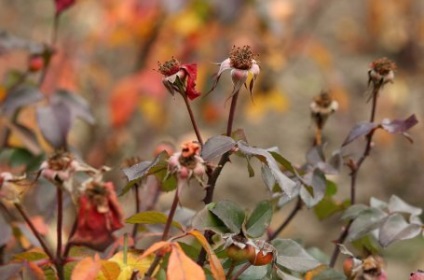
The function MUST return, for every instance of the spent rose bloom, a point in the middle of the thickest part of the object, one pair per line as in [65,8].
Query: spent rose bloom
[99,215]
[187,164]
[241,63]
[418,275]
[381,72]
[179,78]
[322,107]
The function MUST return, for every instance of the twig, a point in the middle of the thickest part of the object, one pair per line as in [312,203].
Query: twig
[241,270]
[158,257]
[50,50]
[193,120]
[289,218]
[23,213]
[59,260]
[69,245]
[137,208]
[354,173]
[230,270]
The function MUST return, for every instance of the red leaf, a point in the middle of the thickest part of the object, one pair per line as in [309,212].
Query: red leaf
[191,70]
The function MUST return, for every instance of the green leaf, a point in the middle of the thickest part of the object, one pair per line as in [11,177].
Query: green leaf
[30,256]
[284,162]
[395,228]
[398,205]
[259,220]
[151,217]
[293,257]
[354,211]
[284,276]
[253,272]
[318,184]
[216,147]
[369,220]
[286,184]
[229,213]
[141,169]
[205,220]
[327,207]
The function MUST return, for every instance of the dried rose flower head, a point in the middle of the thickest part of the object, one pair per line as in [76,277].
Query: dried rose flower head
[322,107]
[381,72]
[241,62]
[179,77]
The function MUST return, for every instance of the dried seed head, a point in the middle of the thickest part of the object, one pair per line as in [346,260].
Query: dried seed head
[97,193]
[381,71]
[170,67]
[383,66]
[59,161]
[241,58]
[324,104]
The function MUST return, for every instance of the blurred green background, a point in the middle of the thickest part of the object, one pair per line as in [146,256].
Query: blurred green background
[107,51]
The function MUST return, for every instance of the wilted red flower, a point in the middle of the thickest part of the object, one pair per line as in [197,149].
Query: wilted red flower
[418,275]
[180,77]
[62,5]
[241,63]
[99,215]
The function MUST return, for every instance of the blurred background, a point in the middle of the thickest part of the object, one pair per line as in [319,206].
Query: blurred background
[107,51]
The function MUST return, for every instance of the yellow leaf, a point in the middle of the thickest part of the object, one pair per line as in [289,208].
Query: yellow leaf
[314,272]
[134,262]
[87,269]
[109,270]
[216,266]
[181,267]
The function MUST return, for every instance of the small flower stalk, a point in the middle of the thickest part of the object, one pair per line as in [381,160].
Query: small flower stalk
[381,72]
[180,78]
[321,108]
[187,164]
[241,62]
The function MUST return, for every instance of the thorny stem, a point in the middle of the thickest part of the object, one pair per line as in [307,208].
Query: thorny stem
[158,257]
[137,208]
[354,173]
[289,218]
[241,270]
[23,213]
[59,260]
[213,177]
[193,120]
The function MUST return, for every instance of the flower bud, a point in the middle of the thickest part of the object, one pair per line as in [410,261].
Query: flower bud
[264,253]
[35,63]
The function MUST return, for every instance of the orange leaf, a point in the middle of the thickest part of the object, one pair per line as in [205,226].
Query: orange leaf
[181,267]
[87,269]
[156,246]
[110,270]
[33,272]
[216,266]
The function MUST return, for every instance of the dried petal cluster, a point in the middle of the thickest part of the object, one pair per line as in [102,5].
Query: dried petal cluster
[99,215]
[371,267]
[241,63]
[179,77]
[187,163]
[322,107]
[381,72]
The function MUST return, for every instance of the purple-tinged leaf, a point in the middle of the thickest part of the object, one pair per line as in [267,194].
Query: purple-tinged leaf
[400,126]
[398,205]
[10,271]
[55,122]
[395,228]
[216,147]
[285,183]
[284,162]
[77,105]
[359,130]
[377,203]
[293,257]
[315,155]
[19,97]
[336,161]
[229,213]
[141,169]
